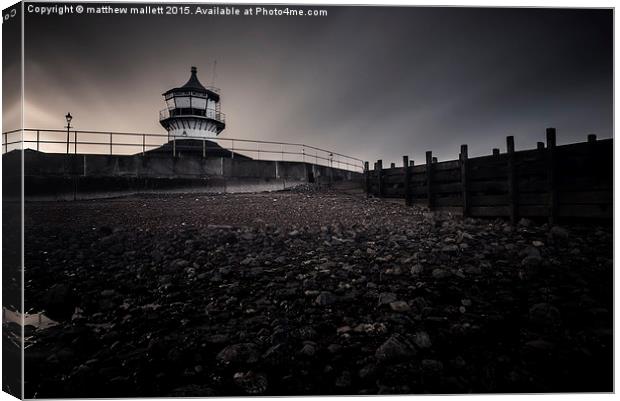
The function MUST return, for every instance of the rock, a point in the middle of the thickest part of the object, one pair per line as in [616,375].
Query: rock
[432,367]
[395,349]
[559,233]
[532,257]
[386,298]
[192,390]
[440,273]
[416,269]
[452,248]
[309,349]
[325,298]
[422,339]
[399,306]
[545,315]
[243,353]
[344,380]
[250,382]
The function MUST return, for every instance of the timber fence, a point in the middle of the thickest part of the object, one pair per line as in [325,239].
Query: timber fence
[567,181]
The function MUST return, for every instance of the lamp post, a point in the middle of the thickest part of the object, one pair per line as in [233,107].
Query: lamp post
[69,117]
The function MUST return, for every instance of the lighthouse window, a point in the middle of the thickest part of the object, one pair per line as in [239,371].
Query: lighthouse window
[199,103]
[182,102]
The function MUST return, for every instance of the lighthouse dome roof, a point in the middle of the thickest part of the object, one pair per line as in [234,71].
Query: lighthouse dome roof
[193,82]
[194,85]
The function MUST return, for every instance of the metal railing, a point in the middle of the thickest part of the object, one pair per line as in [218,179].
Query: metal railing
[192,112]
[130,143]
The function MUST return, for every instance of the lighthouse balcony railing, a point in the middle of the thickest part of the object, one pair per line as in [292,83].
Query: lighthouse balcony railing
[83,142]
[192,112]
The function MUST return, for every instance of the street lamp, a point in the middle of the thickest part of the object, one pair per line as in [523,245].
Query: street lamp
[69,117]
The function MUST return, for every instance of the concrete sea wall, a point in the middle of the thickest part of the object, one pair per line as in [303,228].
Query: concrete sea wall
[50,176]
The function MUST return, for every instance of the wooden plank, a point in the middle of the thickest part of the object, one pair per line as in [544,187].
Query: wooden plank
[406,180]
[489,211]
[533,210]
[446,175]
[512,182]
[489,200]
[454,187]
[464,180]
[366,179]
[448,201]
[533,198]
[488,172]
[380,177]
[488,186]
[447,165]
[591,211]
[586,197]
[429,178]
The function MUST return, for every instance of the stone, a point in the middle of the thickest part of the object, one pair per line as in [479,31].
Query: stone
[325,298]
[395,349]
[243,353]
[250,382]
[386,298]
[399,306]
[422,340]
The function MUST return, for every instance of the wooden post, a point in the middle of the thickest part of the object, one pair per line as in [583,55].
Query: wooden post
[392,165]
[366,179]
[380,177]
[591,138]
[434,160]
[512,181]
[495,152]
[406,179]
[540,145]
[429,178]
[464,182]
[38,135]
[551,184]
[110,143]
[143,144]
[411,163]
[75,138]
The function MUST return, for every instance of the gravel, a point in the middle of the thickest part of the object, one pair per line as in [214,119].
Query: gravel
[310,292]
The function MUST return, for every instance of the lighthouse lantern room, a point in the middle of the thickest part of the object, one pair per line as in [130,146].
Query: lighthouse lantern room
[193,111]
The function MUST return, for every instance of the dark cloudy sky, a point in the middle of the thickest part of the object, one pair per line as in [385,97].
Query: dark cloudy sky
[372,82]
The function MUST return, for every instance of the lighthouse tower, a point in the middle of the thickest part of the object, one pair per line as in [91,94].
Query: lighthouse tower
[193,111]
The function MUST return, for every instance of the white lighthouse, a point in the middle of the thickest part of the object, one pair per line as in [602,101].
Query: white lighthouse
[193,111]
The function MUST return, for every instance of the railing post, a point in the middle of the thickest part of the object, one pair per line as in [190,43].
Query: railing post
[204,148]
[6,144]
[513,201]
[380,177]
[411,163]
[282,150]
[464,180]
[110,143]
[174,146]
[551,175]
[540,145]
[392,165]
[75,138]
[495,152]
[366,178]
[232,149]
[591,138]
[143,144]
[38,136]
[406,179]
[429,179]
[68,139]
